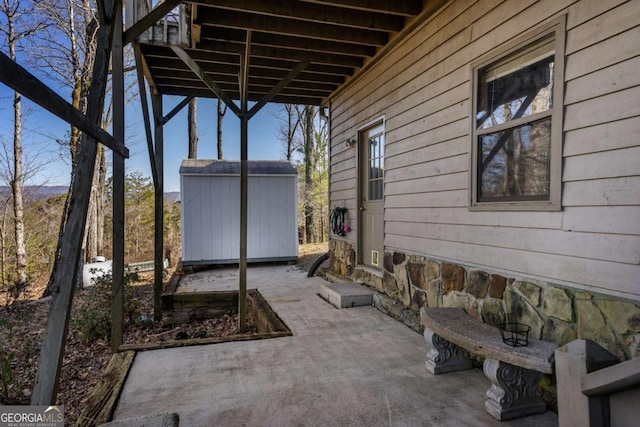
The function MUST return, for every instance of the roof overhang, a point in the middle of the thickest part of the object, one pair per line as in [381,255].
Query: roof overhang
[310,48]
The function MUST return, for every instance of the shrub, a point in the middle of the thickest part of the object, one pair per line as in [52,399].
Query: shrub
[94,318]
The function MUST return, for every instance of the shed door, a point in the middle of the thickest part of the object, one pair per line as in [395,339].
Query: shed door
[371,185]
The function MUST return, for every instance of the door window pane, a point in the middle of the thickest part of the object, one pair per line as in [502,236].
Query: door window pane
[376,167]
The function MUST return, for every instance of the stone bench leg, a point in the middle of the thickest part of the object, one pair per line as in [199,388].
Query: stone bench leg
[514,391]
[445,356]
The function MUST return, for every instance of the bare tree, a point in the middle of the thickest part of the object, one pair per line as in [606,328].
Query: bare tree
[308,167]
[193,128]
[222,109]
[289,126]
[15,14]
[3,242]
[67,55]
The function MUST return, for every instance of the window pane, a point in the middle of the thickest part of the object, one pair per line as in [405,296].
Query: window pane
[515,164]
[376,167]
[518,87]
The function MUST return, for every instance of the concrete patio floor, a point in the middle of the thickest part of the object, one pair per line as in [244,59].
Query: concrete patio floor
[349,367]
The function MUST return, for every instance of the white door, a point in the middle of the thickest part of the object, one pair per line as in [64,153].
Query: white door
[371,194]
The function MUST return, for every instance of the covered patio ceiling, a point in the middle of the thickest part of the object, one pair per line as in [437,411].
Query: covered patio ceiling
[329,41]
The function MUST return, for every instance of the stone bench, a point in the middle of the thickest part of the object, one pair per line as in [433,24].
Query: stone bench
[514,372]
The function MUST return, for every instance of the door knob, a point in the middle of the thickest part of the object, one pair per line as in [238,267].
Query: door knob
[363,208]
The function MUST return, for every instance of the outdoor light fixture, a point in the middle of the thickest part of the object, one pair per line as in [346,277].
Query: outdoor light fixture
[350,142]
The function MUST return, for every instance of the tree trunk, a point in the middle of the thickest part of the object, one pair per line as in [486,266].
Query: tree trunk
[94,232]
[308,161]
[100,198]
[193,128]
[17,178]
[3,246]
[82,84]
[222,109]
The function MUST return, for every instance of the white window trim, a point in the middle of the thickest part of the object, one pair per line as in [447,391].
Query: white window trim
[557,26]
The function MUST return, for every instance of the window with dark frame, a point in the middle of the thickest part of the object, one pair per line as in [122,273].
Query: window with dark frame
[376,167]
[514,137]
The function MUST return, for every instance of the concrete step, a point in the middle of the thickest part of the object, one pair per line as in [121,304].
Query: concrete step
[345,295]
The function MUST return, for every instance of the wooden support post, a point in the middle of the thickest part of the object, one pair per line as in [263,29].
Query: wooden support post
[244,180]
[64,274]
[156,102]
[242,288]
[117,269]
[140,66]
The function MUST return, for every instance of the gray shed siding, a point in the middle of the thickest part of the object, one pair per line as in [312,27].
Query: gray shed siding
[210,215]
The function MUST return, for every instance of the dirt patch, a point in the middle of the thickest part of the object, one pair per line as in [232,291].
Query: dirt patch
[22,325]
[309,253]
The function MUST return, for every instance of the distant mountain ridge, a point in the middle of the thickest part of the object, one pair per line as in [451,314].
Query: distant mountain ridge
[38,192]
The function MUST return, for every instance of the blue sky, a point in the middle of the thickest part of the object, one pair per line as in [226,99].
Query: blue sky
[41,128]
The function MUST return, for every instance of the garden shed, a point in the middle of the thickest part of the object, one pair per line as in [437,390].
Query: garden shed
[210,211]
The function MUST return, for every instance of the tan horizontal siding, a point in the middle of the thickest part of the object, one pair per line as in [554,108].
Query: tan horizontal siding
[422,89]
[620,76]
[602,27]
[447,165]
[603,219]
[603,276]
[602,192]
[462,216]
[454,181]
[606,108]
[602,55]
[606,247]
[427,153]
[606,164]
[603,137]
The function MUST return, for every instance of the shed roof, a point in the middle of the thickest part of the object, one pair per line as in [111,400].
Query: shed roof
[232,167]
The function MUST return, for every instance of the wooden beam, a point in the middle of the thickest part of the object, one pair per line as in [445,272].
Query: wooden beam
[25,83]
[298,28]
[65,271]
[396,7]
[178,108]
[118,178]
[276,90]
[285,41]
[225,72]
[280,98]
[156,14]
[101,403]
[145,110]
[174,78]
[159,56]
[206,79]
[279,54]
[243,83]
[156,101]
[369,20]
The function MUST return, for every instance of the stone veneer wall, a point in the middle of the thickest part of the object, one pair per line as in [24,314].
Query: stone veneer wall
[555,313]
